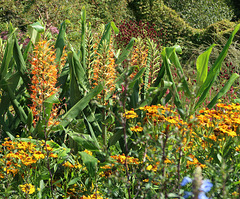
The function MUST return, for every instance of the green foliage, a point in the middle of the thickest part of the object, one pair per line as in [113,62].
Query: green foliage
[201,13]
[134,109]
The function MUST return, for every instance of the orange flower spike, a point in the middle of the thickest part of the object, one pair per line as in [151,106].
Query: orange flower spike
[43,81]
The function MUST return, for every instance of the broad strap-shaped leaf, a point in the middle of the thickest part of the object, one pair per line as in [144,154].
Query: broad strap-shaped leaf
[202,65]
[166,54]
[13,83]
[89,126]
[59,46]
[20,64]
[90,162]
[35,31]
[214,71]
[114,27]
[84,140]
[46,114]
[107,34]
[83,42]
[115,137]
[77,69]
[77,76]
[160,76]
[224,90]
[136,77]
[7,57]
[134,98]
[172,53]
[16,105]
[126,51]
[80,105]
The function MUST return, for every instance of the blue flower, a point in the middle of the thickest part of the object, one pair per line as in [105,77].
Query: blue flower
[206,186]
[185,181]
[202,195]
[187,194]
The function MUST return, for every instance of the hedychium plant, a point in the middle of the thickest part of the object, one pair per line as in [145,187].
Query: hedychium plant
[205,79]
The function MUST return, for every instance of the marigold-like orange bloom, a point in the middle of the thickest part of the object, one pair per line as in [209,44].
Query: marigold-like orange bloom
[130,114]
[27,188]
[122,158]
[136,129]
[68,164]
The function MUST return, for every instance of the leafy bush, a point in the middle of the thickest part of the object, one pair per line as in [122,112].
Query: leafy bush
[201,13]
[143,30]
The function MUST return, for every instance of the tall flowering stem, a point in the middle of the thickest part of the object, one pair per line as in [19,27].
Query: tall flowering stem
[104,70]
[44,71]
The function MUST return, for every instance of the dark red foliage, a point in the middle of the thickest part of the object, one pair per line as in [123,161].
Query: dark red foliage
[130,29]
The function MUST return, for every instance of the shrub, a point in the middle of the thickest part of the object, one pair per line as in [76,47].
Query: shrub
[143,30]
[201,13]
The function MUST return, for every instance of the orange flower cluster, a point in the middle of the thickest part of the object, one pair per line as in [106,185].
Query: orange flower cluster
[226,117]
[44,71]
[130,114]
[18,154]
[27,188]
[156,114]
[77,165]
[138,59]
[136,128]
[122,158]
[104,70]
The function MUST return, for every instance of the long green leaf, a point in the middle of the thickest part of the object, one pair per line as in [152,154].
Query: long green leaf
[172,53]
[114,27]
[126,51]
[92,132]
[16,105]
[20,63]
[202,65]
[224,90]
[80,105]
[214,71]
[60,40]
[106,36]
[136,77]
[12,82]
[75,93]
[90,162]
[48,103]
[35,31]
[166,54]
[7,57]
[84,140]
[160,76]
[83,42]
[78,70]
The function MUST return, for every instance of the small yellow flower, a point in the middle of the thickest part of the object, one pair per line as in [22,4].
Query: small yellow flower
[88,152]
[27,188]
[136,128]
[68,164]
[53,155]
[235,193]
[130,114]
